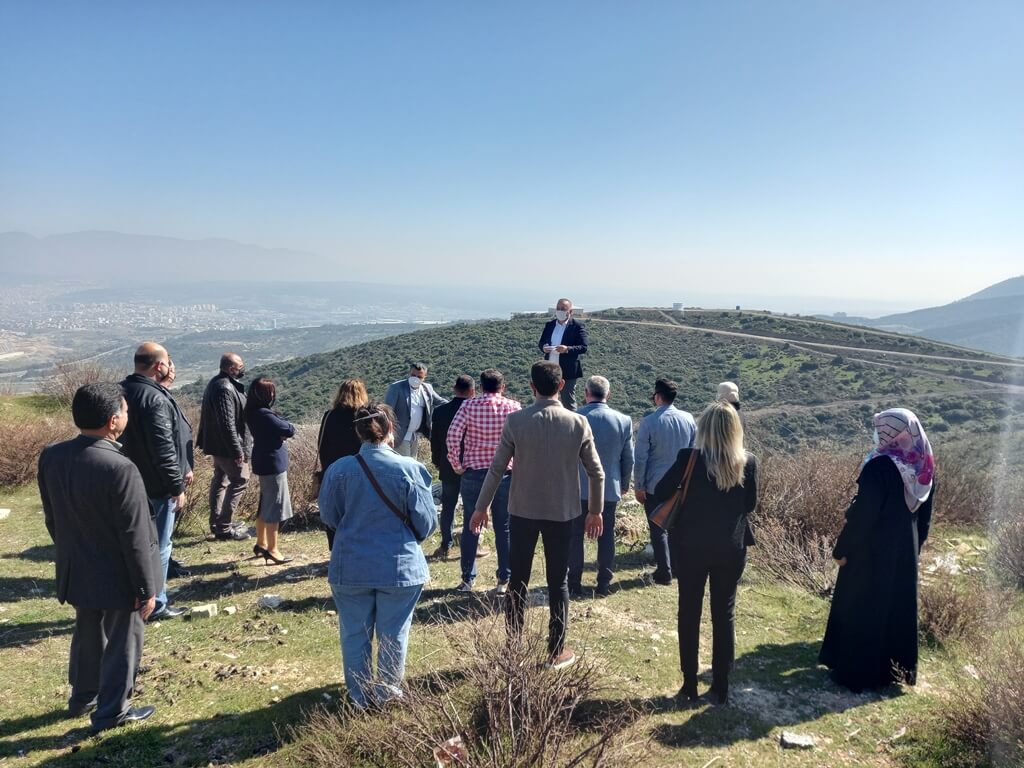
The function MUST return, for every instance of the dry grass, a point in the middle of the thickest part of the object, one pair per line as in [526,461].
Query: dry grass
[67,377]
[950,611]
[22,443]
[501,710]
[1008,552]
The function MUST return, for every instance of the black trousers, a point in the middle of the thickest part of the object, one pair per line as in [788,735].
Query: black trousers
[106,648]
[523,534]
[693,573]
[659,543]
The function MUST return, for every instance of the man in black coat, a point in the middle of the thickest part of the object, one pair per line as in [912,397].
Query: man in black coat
[223,435]
[451,481]
[153,440]
[108,565]
[563,341]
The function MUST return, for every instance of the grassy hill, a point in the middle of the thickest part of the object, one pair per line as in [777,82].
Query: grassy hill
[800,379]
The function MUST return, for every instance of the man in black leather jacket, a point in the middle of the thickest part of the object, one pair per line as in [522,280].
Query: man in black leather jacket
[223,435]
[152,441]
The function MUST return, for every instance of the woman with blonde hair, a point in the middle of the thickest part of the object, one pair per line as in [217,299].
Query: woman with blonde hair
[338,436]
[709,539]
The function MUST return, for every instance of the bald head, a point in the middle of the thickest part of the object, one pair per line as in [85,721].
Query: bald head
[151,360]
[232,364]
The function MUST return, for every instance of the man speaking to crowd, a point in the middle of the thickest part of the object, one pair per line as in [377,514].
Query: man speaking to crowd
[563,341]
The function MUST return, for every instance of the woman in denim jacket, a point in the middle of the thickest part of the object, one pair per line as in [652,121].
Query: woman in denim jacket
[377,569]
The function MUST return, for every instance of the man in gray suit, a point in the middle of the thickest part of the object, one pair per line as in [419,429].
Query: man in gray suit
[108,562]
[548,441]
[413,400]
[613,436]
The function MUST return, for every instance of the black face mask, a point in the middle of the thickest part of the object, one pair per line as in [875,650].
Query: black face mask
[735,405]
[240,375]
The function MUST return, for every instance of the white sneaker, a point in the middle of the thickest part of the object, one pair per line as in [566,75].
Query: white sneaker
[565,659]
[465,586]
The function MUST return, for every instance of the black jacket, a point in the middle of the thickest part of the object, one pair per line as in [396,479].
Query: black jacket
[440,421]
[97,513]
[186,446]
[575,338]
[337,436]
[713,523]
[222,430]
[153,439]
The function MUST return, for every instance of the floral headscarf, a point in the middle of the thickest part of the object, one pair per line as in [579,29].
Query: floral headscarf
[901,437]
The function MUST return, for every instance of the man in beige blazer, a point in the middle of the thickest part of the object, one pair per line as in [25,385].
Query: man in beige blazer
[548,442]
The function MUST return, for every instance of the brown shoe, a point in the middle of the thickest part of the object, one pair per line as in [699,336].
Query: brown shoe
[565,659]
[441,553]
[482,552]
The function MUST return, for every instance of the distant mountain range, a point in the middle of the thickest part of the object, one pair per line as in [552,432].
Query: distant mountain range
[90,254]
[991,319]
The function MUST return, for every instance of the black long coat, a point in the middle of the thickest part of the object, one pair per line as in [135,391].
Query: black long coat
[871,638]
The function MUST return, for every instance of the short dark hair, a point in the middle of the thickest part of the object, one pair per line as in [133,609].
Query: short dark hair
[545,376]
[666,389]
[262,394]
[491,380]
[418,367]
[373,422]
[463,383]
[95,404]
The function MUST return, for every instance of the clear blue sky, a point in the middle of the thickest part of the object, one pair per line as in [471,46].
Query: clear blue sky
[848,149]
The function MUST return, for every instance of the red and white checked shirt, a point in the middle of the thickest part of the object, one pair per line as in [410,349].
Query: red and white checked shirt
[477,429]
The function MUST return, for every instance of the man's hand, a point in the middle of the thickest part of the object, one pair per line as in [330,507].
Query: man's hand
[840,561]
[190,478]
[179,500]
[479,521]
[561,349]
[145,608]
[594,525]
[459,470]
[641,496]
[240,461]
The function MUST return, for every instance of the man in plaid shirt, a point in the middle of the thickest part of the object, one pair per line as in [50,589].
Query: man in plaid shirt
[476,432]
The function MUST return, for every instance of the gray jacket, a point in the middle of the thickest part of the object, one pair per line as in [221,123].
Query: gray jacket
[98,515]
[399,397]
[613,437]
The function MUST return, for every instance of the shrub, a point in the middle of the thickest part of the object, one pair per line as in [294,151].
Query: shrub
[502,706]
[1008,552]
[949,612]
[985,720]
[67,377]
[23,442]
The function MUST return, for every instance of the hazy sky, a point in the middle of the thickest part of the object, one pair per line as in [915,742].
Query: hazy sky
[867,150]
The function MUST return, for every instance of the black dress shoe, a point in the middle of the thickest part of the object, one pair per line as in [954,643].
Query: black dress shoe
[175,570]
[686,697]
[715,698]
[133,715]
[80,710]
[232,534]
[603,590]
[167,612]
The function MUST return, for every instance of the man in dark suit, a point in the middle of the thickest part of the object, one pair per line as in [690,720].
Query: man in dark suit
[108,564]
[451,481]
[413,400]
[563,341]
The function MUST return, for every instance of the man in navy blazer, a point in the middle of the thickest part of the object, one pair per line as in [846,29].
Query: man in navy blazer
[613,438]
[563,341]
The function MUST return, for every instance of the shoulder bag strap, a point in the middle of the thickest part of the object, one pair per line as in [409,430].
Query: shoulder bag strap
[687,474]
[380,492]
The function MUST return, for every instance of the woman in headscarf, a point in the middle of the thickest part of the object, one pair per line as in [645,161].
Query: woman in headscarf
[871,639]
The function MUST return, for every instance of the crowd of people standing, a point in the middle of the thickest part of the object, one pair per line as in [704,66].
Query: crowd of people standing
[545,470]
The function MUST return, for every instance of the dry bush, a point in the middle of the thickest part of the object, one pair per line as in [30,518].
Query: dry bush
[1008,551]
[985,718]
[803,498]
[505,707]
[965,487]
[67,377]
[949,611]
[302,454]
[23,442]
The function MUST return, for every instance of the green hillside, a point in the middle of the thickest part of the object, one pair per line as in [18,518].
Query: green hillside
[794,389]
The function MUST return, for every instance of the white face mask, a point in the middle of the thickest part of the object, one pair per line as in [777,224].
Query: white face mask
[415,382]
[562,315]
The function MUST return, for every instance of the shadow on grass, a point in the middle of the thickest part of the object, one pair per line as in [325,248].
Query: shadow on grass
[31,632]
[41,553]
[220,738]
[14,588]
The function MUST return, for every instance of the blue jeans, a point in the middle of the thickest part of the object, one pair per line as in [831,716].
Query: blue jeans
[449,498]
[164,508]
[362,613]
[605,547]
[472,483]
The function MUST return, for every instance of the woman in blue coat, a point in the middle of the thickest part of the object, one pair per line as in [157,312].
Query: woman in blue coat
[270,463]
[380,505]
